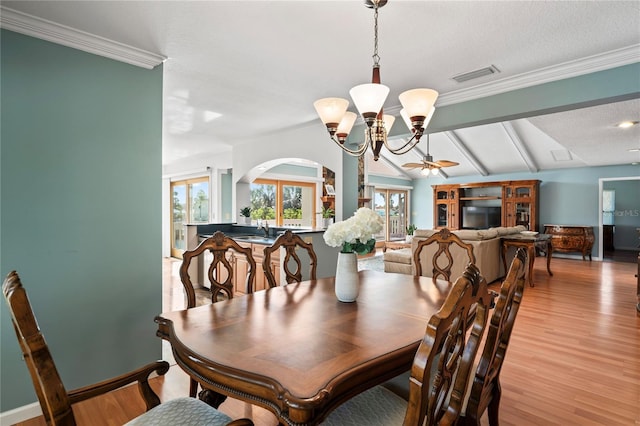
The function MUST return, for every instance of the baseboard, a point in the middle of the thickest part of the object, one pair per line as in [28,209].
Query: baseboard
[570,256]
[20,414]
[627,248]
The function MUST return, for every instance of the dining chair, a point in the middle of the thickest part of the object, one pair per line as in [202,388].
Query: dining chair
[444,239]
[219,274]
[441,368]
[291,243]
[485,390]
[56,402]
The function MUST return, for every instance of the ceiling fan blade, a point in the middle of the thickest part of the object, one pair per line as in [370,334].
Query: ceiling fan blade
[413,165]
[446,163]
[431,164]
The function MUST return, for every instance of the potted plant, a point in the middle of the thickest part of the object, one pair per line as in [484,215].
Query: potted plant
[410,229]
[245,215]
[327,216]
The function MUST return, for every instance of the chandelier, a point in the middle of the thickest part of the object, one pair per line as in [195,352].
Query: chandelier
[418,106]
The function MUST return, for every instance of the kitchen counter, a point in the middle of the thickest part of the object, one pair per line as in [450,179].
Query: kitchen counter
[244,233]
[255,239]
[251,235]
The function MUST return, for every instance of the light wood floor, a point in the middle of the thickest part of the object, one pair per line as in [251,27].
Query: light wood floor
[573,359]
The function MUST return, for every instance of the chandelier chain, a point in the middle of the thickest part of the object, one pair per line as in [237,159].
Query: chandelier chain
[376,57]
[339,122]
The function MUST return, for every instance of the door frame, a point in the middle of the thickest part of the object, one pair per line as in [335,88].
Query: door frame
[407,207]
[601,181]
[175,252]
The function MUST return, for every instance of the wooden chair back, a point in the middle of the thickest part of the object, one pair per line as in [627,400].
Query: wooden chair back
[291,243]
[485,390]
[444,360]
[54,399]
[220,273]
[444,238]
[49,388]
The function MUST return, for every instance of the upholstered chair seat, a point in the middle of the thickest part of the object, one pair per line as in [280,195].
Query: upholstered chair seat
[184,411]
[441,369]
[56,403]
[377,406]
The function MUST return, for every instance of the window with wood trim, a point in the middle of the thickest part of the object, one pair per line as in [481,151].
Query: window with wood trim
[283,203]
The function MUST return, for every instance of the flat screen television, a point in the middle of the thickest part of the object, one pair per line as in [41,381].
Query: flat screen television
[474,217]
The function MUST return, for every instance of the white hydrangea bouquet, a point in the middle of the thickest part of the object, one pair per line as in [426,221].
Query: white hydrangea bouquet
[356,233]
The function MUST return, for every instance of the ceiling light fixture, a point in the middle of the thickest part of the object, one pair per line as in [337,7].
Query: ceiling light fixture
[369,99]
[428,164]
[627,124]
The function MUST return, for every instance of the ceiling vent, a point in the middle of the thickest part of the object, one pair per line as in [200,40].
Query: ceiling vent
[561,155]
[460,78]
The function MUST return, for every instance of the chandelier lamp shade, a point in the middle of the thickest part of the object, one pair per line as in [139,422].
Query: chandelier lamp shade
[369,98]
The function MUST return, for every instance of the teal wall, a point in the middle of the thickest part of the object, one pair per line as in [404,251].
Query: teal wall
[80,216]
[627,213]
[349,186]
[567,196]
[386,180]
[292,169]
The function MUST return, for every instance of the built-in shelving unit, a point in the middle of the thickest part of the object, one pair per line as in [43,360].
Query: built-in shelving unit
[480,198]
[502,203]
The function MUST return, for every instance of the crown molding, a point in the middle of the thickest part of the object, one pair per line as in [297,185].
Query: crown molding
[23,23]
[33,26]
[600,62]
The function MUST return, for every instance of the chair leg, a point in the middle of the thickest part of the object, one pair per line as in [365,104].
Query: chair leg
[494,405]
[467,420]
[193,388]
[211,398]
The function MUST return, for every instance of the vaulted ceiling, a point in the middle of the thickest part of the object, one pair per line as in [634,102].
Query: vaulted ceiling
[583,137]
[259,65]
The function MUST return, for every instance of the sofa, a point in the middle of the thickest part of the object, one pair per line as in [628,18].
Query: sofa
[486,249]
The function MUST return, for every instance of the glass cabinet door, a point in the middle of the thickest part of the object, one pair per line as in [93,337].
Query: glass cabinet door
[522,191]
[523,214]
[519,205]
[442,215]
[442,195]
[445,207]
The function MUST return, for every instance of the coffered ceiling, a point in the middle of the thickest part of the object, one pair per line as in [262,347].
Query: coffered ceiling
[239,69]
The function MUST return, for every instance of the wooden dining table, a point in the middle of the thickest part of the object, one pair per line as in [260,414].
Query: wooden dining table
[298,351]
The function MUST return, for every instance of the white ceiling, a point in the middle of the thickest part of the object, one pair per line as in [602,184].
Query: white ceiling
[261,64]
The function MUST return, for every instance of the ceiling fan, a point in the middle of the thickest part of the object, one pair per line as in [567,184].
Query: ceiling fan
[428,165]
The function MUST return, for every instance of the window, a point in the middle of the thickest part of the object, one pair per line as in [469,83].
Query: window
[391,205]
[189,204]
[283,203]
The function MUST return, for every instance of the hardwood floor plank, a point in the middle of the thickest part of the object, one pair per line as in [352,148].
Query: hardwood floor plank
[573,359]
